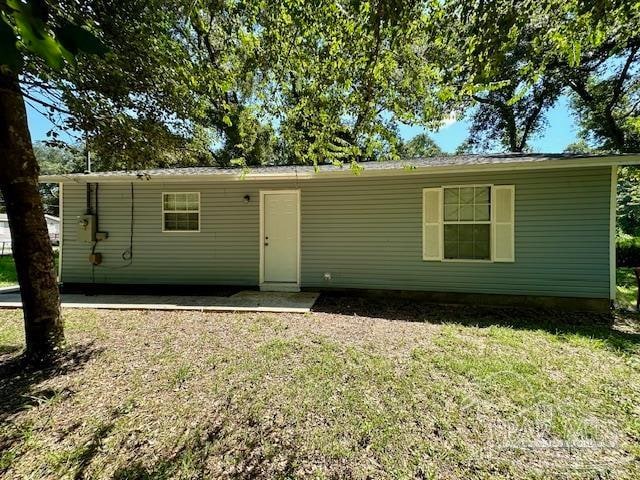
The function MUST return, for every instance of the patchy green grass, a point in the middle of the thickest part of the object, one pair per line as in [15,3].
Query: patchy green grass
[8,275]
[627,293]
[7,271]
[452,393]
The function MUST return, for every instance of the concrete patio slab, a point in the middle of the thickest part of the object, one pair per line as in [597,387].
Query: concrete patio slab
[244,301]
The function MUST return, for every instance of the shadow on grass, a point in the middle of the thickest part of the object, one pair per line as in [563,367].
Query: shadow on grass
[209,450]
[6,349]
[82,457]
[192,454]
[590,325]
[19,390]
[19,382]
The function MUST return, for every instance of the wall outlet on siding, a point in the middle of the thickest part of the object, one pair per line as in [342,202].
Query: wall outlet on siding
[327,277]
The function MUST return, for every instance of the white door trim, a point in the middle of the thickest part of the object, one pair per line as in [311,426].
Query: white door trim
[293,286]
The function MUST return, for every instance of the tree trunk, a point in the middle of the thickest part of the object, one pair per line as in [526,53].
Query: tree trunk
[616,134]
[30,239]
[512,130]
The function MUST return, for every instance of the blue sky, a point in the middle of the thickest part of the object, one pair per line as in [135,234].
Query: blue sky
[560,132]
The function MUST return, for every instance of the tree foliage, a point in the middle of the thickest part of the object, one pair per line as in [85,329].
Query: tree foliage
[251,82]
[347,73]
[515,57]
[510,116]
[136,106]
[606,97]
[422,145]
[56,161]
[505,105]
[629,200]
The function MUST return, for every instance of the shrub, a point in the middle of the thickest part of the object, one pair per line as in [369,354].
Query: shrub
[628,252]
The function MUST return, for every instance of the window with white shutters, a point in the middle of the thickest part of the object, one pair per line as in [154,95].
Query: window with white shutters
[469,223]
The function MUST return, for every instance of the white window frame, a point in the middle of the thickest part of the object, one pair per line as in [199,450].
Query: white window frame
[181,211]
[467,222]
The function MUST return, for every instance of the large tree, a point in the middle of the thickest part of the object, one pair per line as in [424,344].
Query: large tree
[515,57]
[422,145]
[512,114]
[605,90]
[266,82]
[30,241]
[505,104]
[252,82]
[342,76]
[136,106]
[33,38]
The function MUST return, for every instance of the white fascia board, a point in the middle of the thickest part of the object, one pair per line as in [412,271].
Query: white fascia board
[445,169]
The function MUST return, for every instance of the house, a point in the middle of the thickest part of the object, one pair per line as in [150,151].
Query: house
[511,229]
[53,225]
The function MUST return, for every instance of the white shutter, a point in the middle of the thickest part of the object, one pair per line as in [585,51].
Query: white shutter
[432,224]
[503,235]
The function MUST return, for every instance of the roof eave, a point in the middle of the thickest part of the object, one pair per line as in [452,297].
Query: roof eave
[493,167]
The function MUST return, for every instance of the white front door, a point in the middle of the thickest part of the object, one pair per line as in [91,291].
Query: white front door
[280,239]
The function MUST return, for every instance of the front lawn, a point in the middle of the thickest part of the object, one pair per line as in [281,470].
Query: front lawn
[355,390]
[8,274]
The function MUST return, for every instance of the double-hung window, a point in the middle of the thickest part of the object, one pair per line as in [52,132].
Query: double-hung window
[181,212]
[469,223]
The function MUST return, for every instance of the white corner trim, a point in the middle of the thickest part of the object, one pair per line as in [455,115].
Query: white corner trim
[60,229]
[612,232]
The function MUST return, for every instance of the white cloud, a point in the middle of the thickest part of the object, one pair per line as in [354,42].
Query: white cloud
[449,120]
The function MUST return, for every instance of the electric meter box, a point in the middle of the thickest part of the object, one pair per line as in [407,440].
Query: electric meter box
[87,228]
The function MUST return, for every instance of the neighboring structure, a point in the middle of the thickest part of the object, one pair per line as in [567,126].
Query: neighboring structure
[53,225]
[5,235]
[516,227]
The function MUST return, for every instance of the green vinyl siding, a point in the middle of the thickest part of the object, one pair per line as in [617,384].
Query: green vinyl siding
[365,231]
